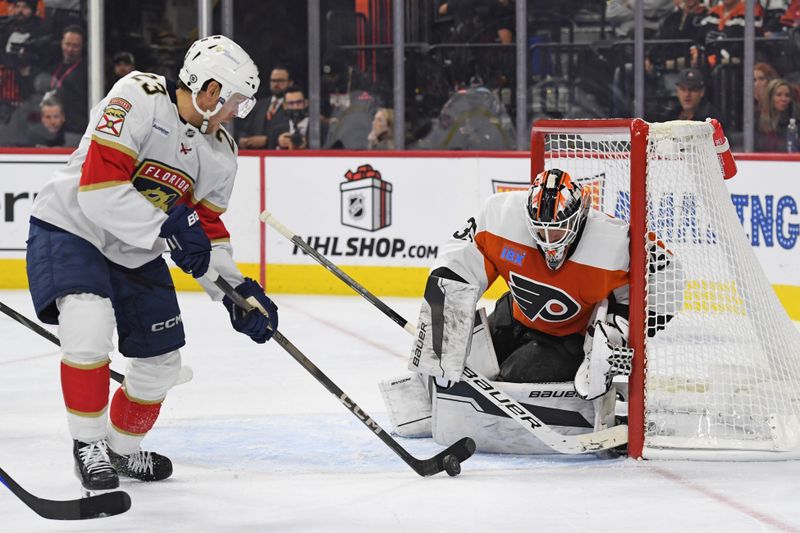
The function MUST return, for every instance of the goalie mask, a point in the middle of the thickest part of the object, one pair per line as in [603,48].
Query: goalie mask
[556,210]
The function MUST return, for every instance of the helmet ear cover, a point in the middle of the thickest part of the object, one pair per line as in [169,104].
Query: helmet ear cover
[555,212]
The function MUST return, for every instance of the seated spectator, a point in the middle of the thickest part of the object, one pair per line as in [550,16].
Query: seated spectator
[122,64]
[779,105]
[382,135]
[726,21]
[685,21]
[691,104]
[349,126]
[69,77]
[49,130]
[620,14]
[763,73]
[296,107]
[254,132]
[791,18]
[22,37]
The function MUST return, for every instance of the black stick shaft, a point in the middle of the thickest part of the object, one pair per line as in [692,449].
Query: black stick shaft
[37,328]
[424,468]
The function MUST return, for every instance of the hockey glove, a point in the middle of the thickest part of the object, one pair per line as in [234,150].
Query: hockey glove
[257,324]
[189,246]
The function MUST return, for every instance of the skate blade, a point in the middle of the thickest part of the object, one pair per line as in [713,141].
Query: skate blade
[88,493]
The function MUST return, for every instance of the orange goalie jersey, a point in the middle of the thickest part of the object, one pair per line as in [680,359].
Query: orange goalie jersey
[557,302]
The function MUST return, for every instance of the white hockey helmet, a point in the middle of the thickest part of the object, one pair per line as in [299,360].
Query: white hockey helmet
[219,58]
[555,212]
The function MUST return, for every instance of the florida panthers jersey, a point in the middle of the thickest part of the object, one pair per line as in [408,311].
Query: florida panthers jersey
[137,159]
[497,243]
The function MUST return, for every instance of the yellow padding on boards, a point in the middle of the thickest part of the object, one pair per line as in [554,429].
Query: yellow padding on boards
[383,281]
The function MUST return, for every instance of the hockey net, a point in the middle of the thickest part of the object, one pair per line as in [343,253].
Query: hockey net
[721,380]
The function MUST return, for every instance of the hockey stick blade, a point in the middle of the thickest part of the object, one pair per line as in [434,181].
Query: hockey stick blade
[99,506]
[459,451]
[567,444]
[185,375]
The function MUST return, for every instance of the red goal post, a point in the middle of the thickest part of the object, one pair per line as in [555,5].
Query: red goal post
[722,379]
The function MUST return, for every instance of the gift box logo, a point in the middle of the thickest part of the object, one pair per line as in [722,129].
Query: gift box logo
[366,199]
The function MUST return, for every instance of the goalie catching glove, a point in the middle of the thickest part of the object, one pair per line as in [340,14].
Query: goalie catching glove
[444,330]
[606,354]
[259,323]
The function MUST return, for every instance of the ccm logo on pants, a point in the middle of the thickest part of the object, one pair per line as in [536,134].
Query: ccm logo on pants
[171,323]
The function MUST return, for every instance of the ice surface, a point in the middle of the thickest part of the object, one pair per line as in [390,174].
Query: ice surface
[259,445]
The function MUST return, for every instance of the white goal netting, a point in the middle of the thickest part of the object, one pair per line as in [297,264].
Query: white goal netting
[723,375]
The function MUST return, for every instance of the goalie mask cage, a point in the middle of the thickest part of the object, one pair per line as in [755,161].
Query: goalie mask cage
[722,379]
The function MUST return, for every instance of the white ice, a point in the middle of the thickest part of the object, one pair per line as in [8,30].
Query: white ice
[259,445]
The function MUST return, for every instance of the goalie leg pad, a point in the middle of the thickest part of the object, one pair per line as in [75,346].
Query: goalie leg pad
[543,358]
[459,411]
[444,330]
[408,403]
[482,357]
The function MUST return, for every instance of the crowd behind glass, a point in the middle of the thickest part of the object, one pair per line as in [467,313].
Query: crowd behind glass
[459,68]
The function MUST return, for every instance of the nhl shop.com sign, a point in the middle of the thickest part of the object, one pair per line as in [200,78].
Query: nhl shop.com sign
[366,200]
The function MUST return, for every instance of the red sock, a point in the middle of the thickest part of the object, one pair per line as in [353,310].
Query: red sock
[85,387]
[134,417]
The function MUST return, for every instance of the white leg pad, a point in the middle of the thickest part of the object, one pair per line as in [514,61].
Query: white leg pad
[482,357]
[85,327]
[409,404]
[149,379]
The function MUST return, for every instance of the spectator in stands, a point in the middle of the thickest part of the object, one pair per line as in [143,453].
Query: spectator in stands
[296,107]
[69,77]
[778,106]
[22,36]
[381,137]
[49,130]
[620,14]
[685,21]
[122,64]
[725,21]
[691,104]
[763,73]
[268,118]
[791,18]
[495,16]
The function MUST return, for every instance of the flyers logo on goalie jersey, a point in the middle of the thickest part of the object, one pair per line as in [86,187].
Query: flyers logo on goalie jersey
[539,300]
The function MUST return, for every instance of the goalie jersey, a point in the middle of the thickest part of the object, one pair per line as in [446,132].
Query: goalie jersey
[557,302]
[137,159]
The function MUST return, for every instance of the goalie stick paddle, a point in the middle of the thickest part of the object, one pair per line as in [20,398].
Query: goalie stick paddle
[184,375]
[567,444]
[101,505]
[448,460]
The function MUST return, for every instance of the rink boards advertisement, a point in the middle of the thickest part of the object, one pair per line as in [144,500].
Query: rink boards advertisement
[384,219]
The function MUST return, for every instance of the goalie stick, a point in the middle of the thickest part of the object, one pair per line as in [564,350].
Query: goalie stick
[449,459]
[184,375]
[106,504]
[568,444]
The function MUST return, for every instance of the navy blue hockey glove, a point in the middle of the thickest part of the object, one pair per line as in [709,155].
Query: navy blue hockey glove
[188,243]
[253,323]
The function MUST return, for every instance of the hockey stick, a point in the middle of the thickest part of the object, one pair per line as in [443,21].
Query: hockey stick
[448,460]
[568,444]
[184,375]
[106,504]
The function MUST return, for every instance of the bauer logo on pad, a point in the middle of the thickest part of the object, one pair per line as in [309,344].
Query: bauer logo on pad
[366,199]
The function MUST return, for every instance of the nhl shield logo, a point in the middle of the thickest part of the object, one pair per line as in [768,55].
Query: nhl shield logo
[355,206]
[366,199]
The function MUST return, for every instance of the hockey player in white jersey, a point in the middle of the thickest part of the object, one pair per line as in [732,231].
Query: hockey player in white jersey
[153,172]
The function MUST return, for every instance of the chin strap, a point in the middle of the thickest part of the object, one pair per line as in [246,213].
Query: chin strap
[205,114]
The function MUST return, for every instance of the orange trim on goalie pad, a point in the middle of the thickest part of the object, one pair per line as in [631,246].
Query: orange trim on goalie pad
[133,417]
[85,388]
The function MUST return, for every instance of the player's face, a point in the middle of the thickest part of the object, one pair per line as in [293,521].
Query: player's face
[233,107]
[552,235]
[782,98]
[690,97]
